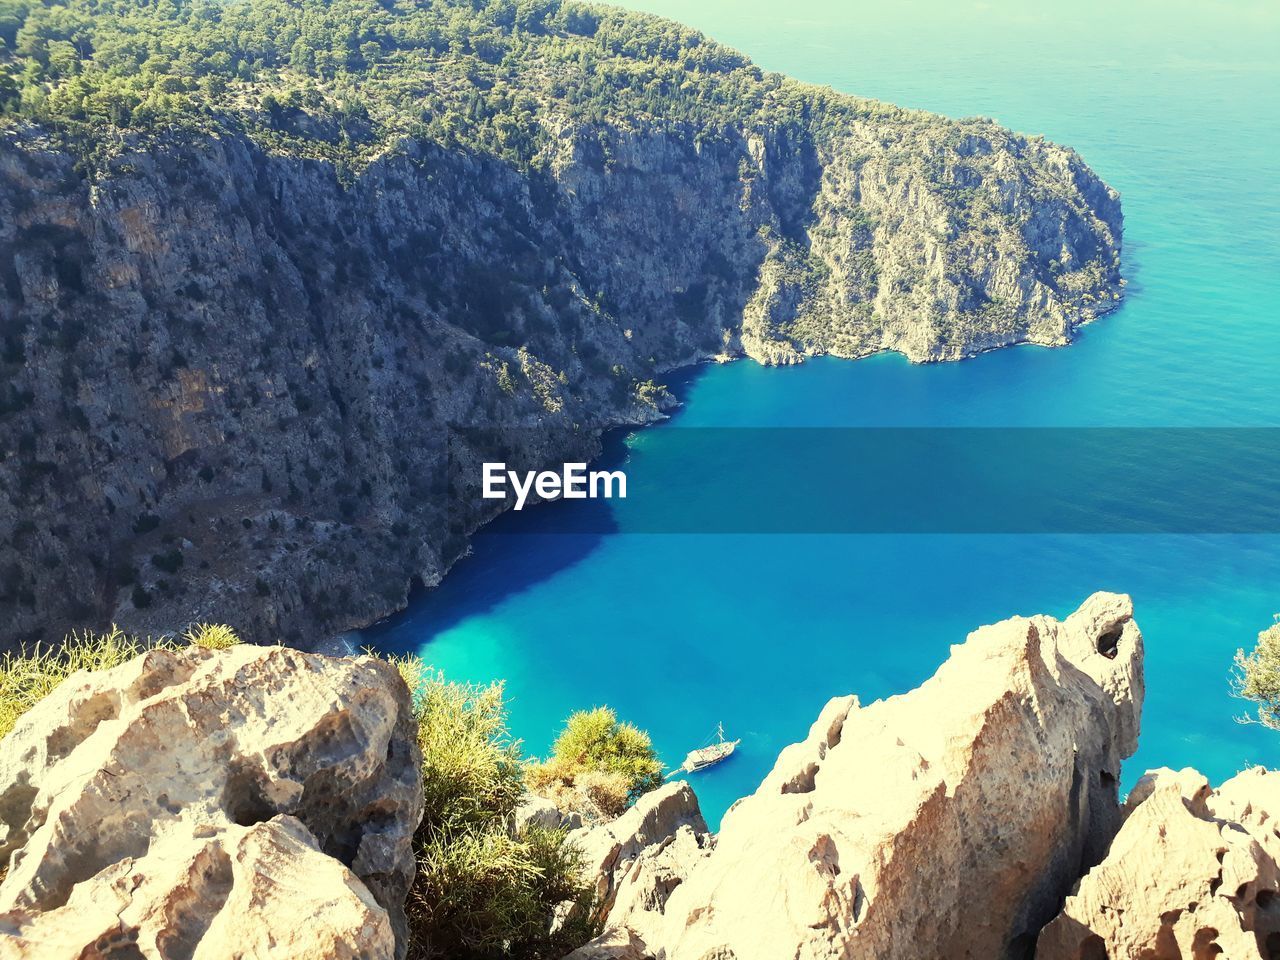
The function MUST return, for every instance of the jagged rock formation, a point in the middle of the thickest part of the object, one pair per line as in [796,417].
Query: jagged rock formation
[229,383]
[539,812]
[628,860]
[950,821]
[640,896]
[635,861]
[262,801]
[1193,873]
[253,801]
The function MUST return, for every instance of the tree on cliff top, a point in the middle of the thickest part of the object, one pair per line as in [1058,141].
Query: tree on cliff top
[1257,676]
[343,79]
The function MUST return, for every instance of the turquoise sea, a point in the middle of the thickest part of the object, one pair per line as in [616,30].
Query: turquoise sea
[1174,104]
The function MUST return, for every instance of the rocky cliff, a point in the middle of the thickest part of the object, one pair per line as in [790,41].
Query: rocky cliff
[1192,873]
[231,382]
[949,821]
[255,801]
[204,804]
[974,817]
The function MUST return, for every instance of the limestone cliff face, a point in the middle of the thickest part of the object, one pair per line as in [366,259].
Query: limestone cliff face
[229,380]
[950,821]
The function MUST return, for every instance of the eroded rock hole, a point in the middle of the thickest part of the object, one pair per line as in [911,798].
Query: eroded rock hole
[244,801]
[1109,641]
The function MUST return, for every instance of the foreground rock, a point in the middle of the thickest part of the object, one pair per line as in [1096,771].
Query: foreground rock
[248,802]
[953,819]
[635,862]
[1192,873]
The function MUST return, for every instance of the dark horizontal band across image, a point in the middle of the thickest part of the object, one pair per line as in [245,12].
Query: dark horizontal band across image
[877,480]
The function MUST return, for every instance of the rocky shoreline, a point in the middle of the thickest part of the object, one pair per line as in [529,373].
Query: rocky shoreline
[187,803]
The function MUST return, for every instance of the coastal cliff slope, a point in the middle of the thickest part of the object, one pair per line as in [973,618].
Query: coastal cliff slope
[950,821]
[195,802]
[246,305]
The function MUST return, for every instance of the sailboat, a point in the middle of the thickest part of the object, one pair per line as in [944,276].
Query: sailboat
[709,755]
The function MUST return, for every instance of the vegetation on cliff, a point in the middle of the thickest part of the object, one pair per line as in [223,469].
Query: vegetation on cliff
[260,261]
[343,79]
[484,888]
[599,761]
[28,677]
[1257,675]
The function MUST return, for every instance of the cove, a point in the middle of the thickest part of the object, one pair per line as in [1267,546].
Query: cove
[681,631]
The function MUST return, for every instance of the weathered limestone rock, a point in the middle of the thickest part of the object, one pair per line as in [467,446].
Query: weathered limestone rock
[1187,780]
[254,801]
[635,862]
[641,893]
[947,822]
[1252,799]
[1191,874]
[537,811]
[614,944]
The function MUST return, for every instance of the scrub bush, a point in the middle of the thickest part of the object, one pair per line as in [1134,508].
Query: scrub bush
[602,760]
[482,889]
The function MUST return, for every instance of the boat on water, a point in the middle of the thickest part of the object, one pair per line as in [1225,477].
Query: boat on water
[709,755]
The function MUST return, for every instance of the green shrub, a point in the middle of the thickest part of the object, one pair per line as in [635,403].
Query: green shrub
[480,891]
[1257,676]
[608,762]
[168,562]
[146,523]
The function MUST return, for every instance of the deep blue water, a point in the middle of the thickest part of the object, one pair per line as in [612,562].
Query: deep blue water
[1173,105]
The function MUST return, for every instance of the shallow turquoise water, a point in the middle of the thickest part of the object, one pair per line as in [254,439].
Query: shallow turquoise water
[1174,106]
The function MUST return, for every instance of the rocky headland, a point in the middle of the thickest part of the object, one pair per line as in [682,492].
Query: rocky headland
[198,803]
[238,372]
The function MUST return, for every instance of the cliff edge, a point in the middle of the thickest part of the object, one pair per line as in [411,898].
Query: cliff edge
[196,803]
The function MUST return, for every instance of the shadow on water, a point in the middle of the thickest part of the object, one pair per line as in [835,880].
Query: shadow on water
[516,551]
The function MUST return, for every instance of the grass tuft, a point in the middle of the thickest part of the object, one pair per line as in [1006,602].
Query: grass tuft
[211,636]
[27,678]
